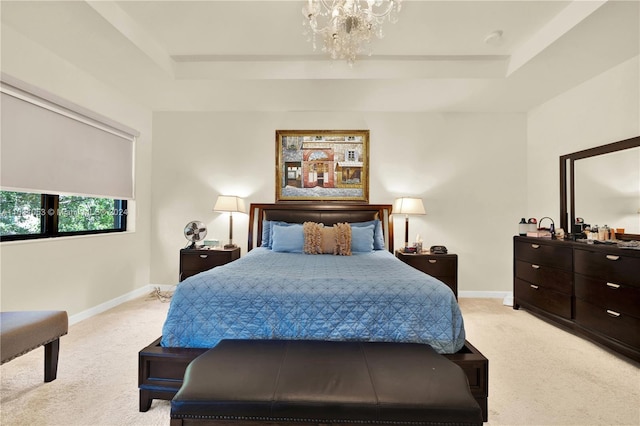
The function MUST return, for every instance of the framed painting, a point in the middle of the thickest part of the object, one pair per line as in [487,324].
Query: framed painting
[322,165]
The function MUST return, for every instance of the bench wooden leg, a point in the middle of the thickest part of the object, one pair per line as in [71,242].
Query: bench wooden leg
[51,351]
[145,400]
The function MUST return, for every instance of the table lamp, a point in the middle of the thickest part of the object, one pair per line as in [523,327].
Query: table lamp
[231,204]
[407,206]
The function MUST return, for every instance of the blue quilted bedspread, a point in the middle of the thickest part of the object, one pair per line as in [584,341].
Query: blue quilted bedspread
[268,295]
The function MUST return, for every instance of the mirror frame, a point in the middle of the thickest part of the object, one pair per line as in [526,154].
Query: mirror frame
[567,187]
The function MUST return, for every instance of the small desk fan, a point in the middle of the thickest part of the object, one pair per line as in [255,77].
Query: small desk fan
[194,232]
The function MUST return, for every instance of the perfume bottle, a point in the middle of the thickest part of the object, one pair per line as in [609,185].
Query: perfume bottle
[522,227]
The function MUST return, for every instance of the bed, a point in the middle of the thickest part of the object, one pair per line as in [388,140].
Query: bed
[280,291]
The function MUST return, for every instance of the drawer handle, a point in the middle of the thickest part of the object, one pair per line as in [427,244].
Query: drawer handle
[432,260]
[535,246]
[535,287]
[535,266]
[204,256]
[612,257]
[613,285]
[613,314]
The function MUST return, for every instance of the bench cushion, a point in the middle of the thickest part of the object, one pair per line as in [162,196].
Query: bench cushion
[281,380]
[23,331]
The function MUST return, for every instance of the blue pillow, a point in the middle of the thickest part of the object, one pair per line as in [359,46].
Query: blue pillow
[287,238]
[378,235]
[362,239]
[266,234]
[267,231]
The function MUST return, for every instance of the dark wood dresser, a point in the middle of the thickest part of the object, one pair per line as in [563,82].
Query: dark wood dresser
[593,289]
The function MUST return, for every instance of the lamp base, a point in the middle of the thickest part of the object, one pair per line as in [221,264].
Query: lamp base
[230,246]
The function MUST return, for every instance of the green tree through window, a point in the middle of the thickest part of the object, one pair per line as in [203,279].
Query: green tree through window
[26,215]
[20,213]
[85,214]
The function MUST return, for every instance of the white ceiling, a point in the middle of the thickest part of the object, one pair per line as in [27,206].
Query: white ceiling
[252,55]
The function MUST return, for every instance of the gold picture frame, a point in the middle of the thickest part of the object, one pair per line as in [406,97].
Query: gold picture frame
[322,165]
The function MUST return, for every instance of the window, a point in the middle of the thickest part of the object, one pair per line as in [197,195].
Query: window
[70,150]
[20,213]
[28,216]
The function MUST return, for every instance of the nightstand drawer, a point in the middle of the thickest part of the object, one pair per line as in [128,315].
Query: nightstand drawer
[194,261]
[434,266]
[203,261]
[441,266]
[451,281]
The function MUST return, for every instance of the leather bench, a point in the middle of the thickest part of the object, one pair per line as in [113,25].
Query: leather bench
[318,382]
[23,331]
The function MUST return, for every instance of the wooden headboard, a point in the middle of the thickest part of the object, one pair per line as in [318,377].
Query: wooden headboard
[327,213]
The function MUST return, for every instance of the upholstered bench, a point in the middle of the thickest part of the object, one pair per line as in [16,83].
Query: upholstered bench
[317,382]
[23,331]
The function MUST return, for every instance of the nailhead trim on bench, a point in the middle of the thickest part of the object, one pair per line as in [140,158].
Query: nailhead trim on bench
[299,420]
[35,347]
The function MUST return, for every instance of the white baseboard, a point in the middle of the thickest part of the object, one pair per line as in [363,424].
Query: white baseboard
[73,319]
[506,296]
[508,299]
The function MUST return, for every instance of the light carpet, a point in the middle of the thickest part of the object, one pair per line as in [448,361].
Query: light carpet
[539,374]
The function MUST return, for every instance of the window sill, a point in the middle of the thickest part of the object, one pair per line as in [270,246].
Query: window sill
[66,238]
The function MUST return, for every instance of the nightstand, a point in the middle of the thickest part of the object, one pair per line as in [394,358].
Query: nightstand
[441,266]
[194,261]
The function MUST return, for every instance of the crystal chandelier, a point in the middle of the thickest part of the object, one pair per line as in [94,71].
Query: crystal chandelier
[347,26]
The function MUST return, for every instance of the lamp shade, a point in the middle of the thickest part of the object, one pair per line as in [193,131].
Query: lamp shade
[229,203]
[408,205]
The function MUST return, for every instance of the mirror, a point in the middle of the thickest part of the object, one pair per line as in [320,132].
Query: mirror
[613,200]
[602,186]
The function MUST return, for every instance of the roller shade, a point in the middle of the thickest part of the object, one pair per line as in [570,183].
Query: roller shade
[52,148]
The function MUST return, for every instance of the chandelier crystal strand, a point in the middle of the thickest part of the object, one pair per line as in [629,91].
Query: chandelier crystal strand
[346,27]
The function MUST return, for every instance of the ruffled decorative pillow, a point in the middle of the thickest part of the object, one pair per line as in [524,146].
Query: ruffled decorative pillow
[343,238]
[312,237]
[320,239]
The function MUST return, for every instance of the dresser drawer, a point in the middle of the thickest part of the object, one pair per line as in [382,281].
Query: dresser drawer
[610,295]
[611,266]
[609,322]
[541,275]
[542,298]
[544,254]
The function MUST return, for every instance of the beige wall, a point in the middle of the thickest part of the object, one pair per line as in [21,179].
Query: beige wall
[599,111]
[470,169]
[77,274]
